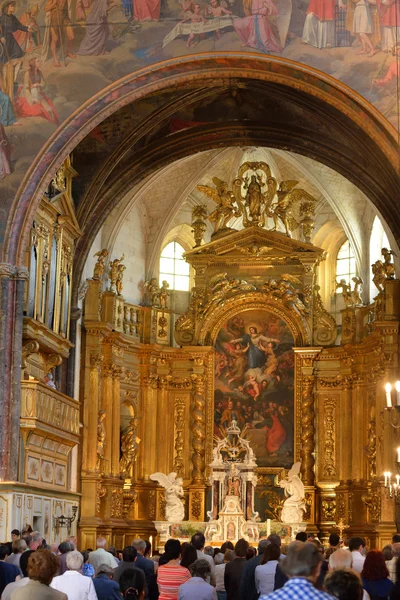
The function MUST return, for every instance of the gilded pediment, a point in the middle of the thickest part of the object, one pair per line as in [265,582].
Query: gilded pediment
[253,243]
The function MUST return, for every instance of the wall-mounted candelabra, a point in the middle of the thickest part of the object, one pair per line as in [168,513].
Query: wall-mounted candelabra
[63,521]
[393,408]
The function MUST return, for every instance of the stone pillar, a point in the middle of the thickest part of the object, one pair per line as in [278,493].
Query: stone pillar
[12,280]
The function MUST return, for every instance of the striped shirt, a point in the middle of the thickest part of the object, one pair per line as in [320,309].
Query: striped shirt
[169,579]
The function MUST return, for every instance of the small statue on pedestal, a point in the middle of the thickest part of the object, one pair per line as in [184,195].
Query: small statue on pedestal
[113,272]
[101,263]
[152,289]
[164,295]
[129,448]
[174,510]
[294,506]
[120,274]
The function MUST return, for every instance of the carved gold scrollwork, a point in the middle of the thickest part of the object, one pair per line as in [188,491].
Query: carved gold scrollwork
[372,501]
[53,360]
[330,437]
[117,503]
[27,349]
[340,507]
[328,509]
[198,429]
[196,504]
[179,428]
[325,330]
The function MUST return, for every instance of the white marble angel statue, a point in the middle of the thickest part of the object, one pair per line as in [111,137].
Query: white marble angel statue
[294,506]
[174,509]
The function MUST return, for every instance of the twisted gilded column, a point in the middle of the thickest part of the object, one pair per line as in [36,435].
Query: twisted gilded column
[308,429]
[198,429]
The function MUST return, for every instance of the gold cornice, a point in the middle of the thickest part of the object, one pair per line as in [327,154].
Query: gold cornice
[48,340]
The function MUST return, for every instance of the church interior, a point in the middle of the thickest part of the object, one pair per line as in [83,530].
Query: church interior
[219,243]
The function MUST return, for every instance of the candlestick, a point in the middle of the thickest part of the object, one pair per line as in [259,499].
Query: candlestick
[389,478]
[268,527]
[388,389]
[397,386]
[398,479]
[151,543]
[398,455]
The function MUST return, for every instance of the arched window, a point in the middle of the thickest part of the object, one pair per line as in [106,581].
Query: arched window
[345,263]
[378,240]
[174,268]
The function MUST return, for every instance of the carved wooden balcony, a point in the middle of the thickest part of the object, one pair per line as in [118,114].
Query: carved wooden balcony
[50,411]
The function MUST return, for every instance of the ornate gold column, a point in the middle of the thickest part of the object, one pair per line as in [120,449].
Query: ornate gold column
[305,430]
[197,487]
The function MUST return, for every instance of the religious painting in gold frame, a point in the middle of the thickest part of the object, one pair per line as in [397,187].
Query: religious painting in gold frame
[254,384]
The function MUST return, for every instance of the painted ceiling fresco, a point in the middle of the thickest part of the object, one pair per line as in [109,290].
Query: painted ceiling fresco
[56,54]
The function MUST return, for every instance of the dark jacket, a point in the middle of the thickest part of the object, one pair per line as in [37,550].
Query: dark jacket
[147,567]
[106,588]
[233,576]
[248,590]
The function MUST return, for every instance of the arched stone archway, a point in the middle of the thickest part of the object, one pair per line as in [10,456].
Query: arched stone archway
[207,69]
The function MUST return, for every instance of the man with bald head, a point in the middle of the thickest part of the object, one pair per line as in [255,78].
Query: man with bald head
[101,556]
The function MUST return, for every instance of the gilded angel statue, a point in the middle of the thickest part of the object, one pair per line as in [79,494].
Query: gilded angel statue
[288,195]
[101,263]
[174,509]
[294,506]
[113,267]
[225,201]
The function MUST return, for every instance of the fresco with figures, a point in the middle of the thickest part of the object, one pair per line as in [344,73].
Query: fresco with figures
[56,54]
[254,384]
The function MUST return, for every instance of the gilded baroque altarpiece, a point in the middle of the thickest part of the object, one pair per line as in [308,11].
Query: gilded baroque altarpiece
[332,409]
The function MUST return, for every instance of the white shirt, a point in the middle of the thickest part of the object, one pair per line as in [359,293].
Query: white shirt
[11,587]
[101,557]
[210,560]
[265,577]
[358,561]
[219,577]
[75,585]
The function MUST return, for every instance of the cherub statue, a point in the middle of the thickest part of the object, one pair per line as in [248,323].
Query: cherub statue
[153,290]
[288,196]
[388,265]
[356,293]
[113,272]
[346,291]
[174,510]
[101,263]
[120,274]
[294,506]
[163,294]
[129,447]
[379,274]
[101,438]
[225,201]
